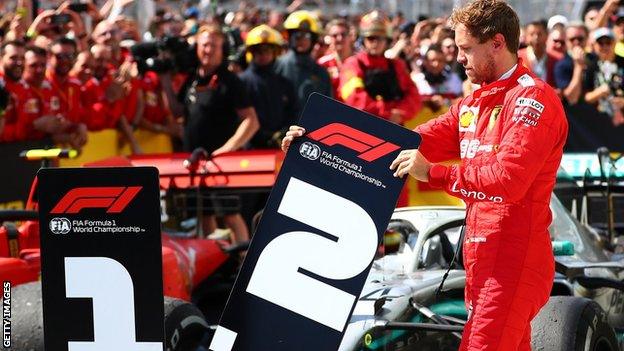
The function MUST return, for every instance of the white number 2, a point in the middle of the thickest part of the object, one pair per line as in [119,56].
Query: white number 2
[109,284]
[276,277]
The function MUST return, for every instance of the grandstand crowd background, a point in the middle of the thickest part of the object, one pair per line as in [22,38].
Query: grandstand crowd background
[116,77]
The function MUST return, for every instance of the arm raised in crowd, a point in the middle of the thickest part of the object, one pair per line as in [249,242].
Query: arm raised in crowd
[606,11]
[25,7]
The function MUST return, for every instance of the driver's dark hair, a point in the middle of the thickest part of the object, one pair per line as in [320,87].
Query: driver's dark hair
[486,18]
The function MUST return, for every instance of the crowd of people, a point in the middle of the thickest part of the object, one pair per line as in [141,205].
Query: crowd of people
[238,80]
[66,81]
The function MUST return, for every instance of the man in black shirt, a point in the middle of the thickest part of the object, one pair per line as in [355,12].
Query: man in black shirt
[218,113]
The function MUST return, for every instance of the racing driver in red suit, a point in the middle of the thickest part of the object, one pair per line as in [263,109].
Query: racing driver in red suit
[510,135]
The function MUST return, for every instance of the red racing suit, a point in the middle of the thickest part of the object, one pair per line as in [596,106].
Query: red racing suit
[510,136]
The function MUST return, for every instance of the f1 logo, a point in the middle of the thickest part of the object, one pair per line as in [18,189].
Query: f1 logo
[114,199]
[369,147]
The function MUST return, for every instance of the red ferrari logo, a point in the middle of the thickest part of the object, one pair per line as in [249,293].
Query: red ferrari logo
[369,147]
[114,199]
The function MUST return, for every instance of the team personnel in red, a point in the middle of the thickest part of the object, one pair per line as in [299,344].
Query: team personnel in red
[510,135]
[62,57]
[111,100]
[38,109]
[373,83]
[340,48]
[103,101]
[157,116]
[11,70]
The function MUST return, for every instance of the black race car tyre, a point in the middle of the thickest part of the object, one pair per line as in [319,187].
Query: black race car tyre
[26,318]
[568,323]
[185,325]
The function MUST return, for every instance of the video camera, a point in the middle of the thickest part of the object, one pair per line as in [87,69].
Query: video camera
[165,55]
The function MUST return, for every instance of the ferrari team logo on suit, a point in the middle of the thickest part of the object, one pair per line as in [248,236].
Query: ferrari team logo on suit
[494,116]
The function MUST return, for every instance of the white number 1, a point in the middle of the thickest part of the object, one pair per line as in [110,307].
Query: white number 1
[109,285]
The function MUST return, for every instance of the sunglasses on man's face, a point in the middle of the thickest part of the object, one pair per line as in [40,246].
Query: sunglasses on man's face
[302,35]
[375,38]
[579,39]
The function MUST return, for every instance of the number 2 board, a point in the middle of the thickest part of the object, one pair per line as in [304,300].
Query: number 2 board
[318,235]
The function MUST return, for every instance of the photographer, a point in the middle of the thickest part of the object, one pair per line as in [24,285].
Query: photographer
[159,64]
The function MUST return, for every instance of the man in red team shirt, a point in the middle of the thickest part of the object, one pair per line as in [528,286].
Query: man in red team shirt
[105,96]
[157,117]
[62,57]
[510,135]
[11,69]
[340,47]
[83,67]
[39,109]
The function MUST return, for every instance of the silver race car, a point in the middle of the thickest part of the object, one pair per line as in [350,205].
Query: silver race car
[401,308]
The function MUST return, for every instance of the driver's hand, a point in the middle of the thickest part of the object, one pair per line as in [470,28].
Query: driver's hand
[292,133]
[411,162]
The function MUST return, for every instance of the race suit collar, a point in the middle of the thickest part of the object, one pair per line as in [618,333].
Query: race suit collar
[504,81]
[508,74]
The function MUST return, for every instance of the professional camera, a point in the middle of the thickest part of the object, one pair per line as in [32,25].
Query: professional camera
[166,55]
